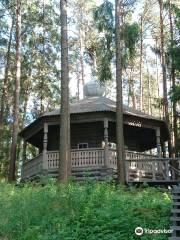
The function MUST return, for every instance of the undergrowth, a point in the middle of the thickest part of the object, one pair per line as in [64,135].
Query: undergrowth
[88,211]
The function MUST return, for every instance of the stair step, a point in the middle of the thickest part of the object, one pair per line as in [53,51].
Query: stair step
[175,228]
[176,203]
[174,238]
[176,190]
[175,210]
[175,219]
[176,197]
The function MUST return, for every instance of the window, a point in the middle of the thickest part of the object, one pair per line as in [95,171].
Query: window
[82,145]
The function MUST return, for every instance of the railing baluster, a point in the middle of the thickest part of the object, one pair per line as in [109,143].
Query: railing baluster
[167,170]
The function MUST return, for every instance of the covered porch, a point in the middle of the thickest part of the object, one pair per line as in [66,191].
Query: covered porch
[139,167]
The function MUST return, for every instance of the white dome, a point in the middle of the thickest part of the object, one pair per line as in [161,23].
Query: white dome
[93,89]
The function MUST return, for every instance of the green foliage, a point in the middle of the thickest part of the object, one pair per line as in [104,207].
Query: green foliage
[73,212]
[174,48]
[104,18]
[175,55]
[175,93]
[104,21]
[105,44]
[131,36]
[40,73]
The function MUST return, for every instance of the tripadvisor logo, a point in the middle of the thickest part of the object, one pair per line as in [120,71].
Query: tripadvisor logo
[139,231]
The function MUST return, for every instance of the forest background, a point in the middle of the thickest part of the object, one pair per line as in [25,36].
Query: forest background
[151,57]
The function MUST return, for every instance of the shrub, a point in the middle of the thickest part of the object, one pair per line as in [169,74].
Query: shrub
[89,211]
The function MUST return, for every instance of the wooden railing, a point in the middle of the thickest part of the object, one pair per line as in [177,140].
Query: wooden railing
[139,166]
[52,159]
[112,159]
[138,155]
[153,169]
[79,158]
[91,157]
[87,157]
[175,172]
[32,167]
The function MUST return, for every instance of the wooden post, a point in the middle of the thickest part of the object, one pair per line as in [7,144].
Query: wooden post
[140,171]
[127,167]
[45,141]
[167,170]
[158,142]
[106,160]
[153,170]
[164,149]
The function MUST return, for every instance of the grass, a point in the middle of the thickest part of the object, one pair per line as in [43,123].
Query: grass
[89,211]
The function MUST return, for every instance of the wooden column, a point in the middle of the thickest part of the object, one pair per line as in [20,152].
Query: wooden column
[45,141]
[158,142]
[106,142]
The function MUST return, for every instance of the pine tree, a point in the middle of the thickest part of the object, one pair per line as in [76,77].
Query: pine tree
[12,165]
[164,73]
[119,98]
[64,153]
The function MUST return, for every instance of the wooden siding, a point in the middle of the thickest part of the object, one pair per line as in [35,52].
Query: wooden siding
[136,139]
[91,133]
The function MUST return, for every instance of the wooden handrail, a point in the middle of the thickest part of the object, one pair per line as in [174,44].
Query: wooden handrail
[86,149]
[140,153]
[153,159]
[174,169]
[30,160]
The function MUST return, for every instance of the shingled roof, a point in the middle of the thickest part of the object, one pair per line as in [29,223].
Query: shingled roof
[99,104]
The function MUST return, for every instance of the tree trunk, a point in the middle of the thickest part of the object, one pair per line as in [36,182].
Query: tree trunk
[12,165]
[81,57]
[140,65]
[23,144]
[163,63]
[5,83]
[119,98]
[64,163]
[131,90]
[157,78]
[149,88]
[78,81]
[173,79]
[41,95]
[43,59]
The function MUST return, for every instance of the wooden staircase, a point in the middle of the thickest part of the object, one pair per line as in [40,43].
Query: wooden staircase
[175,218]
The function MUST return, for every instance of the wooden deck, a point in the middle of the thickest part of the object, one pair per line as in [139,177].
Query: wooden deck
[100,164]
